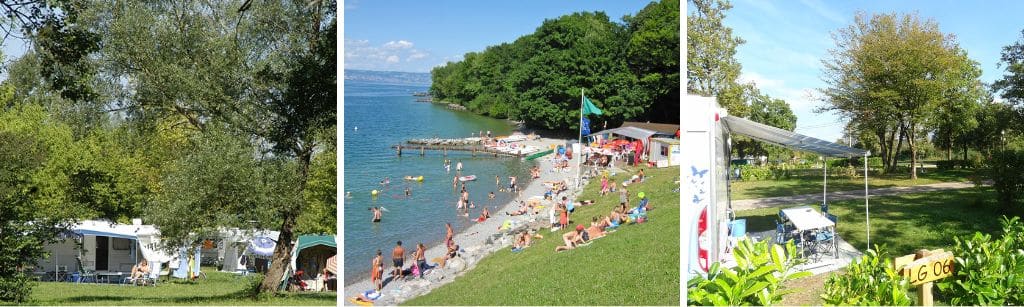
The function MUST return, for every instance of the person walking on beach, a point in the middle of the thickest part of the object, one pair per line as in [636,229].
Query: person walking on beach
[398,257]
[512,184]
[376,271]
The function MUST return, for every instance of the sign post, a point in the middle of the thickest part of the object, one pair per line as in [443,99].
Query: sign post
[923,268]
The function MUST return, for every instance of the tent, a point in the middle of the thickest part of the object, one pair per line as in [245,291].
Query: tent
[311,255]
[805,143]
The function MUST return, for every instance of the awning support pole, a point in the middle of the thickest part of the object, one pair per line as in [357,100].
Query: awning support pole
[824,185]
[867,212]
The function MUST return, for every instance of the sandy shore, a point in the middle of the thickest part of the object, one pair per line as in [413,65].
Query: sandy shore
[473,240]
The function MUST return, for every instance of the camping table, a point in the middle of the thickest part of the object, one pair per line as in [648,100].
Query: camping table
[805,218]
[109,277]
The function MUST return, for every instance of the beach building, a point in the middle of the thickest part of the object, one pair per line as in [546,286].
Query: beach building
[665,152]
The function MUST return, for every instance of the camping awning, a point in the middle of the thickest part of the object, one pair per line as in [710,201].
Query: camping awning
[308,241]
[633,132]
[789,139]
[106,229]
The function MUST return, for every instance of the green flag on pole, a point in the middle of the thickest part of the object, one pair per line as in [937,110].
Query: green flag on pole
[589,107]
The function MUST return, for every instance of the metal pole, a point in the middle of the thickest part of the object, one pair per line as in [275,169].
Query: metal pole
[867,212]
[824,186]
[579,158]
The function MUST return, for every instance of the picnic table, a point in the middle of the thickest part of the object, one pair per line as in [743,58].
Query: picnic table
[110,277]
[806,219]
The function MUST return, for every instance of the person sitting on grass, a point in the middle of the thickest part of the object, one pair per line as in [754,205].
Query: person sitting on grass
[522,240]
[596,229]
[573,239]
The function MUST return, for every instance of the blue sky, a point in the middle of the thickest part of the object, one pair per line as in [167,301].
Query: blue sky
[787,39]
[415,36]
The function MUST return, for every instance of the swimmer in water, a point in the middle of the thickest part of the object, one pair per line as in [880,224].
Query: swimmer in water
[407,192]
[490,196]
[376,214]
[348,194]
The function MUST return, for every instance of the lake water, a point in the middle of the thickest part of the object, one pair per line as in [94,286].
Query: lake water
[386,115]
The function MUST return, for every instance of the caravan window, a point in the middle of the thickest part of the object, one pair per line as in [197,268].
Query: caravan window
[120,244]
[664,151]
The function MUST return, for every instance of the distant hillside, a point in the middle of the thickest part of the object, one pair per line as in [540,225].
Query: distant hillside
[398,77]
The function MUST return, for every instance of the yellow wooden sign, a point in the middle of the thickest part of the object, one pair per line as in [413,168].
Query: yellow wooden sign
[934,266]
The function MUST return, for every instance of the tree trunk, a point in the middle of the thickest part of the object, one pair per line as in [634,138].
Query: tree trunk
[949,147]
[899,145]
[913,150]
[283,251]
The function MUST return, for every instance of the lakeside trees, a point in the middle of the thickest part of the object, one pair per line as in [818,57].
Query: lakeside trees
[628,70]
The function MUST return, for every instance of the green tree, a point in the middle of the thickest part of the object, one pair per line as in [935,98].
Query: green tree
[1011,85]
[890,73]
[711,65]
[769,111]
[653,56]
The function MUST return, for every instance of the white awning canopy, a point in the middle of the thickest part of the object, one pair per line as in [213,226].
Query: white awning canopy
[791,140]
[633,132]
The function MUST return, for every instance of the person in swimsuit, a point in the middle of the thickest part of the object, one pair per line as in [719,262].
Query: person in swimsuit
[571,239]
[449,234]
[563,215]
[497,181]
[604,185]
[491,195]
[458,166]
[376,214]
[512,183]
[453,251]
[376,271]
[420,258]
[398,257]
[407,192]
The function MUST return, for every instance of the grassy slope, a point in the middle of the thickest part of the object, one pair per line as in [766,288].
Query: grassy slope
[810,184]
[636,265]
[219,289]
[905,223]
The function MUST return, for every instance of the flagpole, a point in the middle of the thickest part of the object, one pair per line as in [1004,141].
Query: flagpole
[579,155]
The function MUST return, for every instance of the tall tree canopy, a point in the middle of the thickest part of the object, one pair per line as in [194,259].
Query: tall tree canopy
[629,70]
[889,73]
[711,65]
[193,115]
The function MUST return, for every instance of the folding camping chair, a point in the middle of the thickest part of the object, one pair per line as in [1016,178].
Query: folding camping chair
[154,274]
[84,272]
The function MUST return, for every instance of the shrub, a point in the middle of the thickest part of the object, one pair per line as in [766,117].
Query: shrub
[988,271]
[947,164]
[761,270]
[1007,171]
[869,281]
[755,173]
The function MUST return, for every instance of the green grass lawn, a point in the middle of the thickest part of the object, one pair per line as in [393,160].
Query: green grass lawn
[219,289]
[636,265]
[810,184]
[905,223]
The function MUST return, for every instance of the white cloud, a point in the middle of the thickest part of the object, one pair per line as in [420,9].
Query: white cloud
[401,44]
[391,55]
[824,11]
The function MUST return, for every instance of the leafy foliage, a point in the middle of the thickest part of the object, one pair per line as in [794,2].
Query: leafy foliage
[1007,171]
[629,71]
[762,268]
[1011,86]
[868,281]
[895,75]
[711,65]
[989,271]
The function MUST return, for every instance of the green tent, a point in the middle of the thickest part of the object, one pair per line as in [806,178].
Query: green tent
[312,255]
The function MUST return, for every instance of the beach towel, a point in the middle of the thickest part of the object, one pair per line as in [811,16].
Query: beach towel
[371,294]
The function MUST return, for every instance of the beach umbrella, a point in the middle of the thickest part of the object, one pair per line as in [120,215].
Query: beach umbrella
[262,246]
[332,264]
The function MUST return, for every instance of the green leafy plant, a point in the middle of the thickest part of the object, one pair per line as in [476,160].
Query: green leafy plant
[757,279]
[988,271]
[870,280]
[1007,171]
